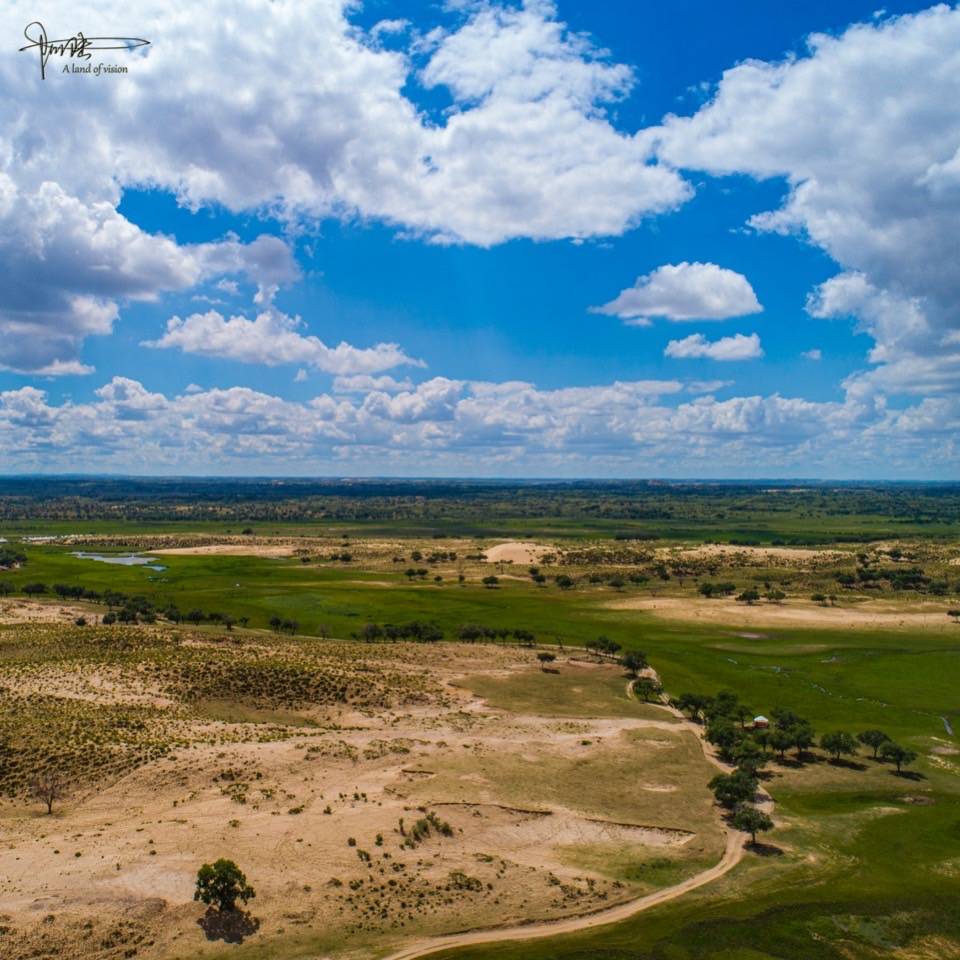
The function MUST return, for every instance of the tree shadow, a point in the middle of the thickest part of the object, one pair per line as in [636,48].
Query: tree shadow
[231,926]
[549,670]
[791,763]
[765,849]
[848,764]
[908,775]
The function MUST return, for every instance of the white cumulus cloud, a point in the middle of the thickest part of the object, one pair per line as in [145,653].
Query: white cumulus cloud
[452,426]
[684,291]
[865,129]
[737,347]
[286,108]
[273,338]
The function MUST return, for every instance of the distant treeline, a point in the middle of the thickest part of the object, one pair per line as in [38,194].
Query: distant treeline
[797,513]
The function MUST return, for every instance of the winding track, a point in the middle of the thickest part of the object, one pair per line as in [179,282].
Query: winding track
[732,855]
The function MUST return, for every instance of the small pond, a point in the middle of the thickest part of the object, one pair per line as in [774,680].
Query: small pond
[125,559]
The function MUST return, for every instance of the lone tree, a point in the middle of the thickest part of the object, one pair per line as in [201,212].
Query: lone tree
[838,743]
[751,820]
[222,884]
[873,738]
[898,755]
[633,661]
[545,657]
[48,787]
[955,614]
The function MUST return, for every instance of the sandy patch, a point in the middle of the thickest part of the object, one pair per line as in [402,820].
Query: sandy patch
[234,550]
[528,835]
[323,819]
[29,611]
[729,552]
[517,551]
[792,613]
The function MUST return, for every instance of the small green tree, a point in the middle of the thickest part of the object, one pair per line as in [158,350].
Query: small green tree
[723,735]
[781,741]
[633,661]
[647,688]
[837,743]
[731,789]
[873,738]
[751,820]
[692,703]
[222,884]
[802,735]
[898,755]
[743,714]
[748,756]
[545,657]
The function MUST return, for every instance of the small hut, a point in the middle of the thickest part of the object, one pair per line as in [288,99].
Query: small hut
[761,723]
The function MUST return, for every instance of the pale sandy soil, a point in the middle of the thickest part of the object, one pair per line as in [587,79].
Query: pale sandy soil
[790,613]
[234,550]
[30,611]
[99,686]
[125,855]
[517,551]
[800,555]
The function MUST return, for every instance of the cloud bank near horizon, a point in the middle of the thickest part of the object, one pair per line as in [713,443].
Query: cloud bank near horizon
[528,149]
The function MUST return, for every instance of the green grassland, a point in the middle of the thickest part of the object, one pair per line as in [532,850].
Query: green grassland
[857,867]
[567,693]
[902,681]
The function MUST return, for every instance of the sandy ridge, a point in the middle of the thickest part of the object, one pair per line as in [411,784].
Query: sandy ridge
[874,614]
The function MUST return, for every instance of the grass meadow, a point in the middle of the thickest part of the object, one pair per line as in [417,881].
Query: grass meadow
[863,863]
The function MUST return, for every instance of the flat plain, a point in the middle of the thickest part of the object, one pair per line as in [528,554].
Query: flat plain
[358,713]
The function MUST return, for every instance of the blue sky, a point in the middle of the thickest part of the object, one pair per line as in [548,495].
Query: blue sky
[411,197]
